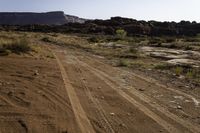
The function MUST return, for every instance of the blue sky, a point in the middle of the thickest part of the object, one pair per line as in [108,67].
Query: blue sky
[162,10]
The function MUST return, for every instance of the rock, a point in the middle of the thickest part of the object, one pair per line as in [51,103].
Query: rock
[181,77]
[99,88]
[112,114]
[8,83]
[141,89]
[122,125]
[184,62]
[36,73]
[179,97]
[179,107]
[129,114]
[187,86]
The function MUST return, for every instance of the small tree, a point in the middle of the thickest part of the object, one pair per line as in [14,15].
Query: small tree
[121,33]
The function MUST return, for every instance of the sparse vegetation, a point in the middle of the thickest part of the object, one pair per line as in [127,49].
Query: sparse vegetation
[123,63]
[15,46]
[46,39]
[178,70]
[162,66]
[121,33]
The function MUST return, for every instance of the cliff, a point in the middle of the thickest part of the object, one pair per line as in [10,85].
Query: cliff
[28,18]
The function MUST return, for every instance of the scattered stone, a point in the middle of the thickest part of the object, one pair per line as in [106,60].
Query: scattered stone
[196,102]
[99,88]
[36,73]
[122,125]
[8,83]
[172,101]
[179,97]
[112,114]
[179,107]
[187,101]
[141,89]
[181,77]
[129,114]
[187,86]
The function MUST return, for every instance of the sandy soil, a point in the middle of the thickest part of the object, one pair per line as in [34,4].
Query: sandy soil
[79,93]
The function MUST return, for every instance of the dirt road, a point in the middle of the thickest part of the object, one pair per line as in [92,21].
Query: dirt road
[79,93]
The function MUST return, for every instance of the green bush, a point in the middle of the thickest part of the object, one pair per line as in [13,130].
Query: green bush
[178,70]
[121,33]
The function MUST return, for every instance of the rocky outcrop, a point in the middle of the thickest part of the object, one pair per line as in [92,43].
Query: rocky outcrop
[74,19]
[58,22]
[49,18]
[151,28]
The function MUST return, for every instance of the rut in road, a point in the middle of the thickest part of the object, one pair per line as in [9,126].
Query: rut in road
[140,106]
[100,111]
[149,100]
[81,117]
[144,98]
[192,127]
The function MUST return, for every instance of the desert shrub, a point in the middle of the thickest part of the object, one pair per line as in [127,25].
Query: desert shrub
[133,50]
[46,39]
[162,66]
[170,40]
[178,70]
[155,41]
[188,47]
[4,52]
[19,46]
[190,74]
[121,33]
[112,39]
[15,46]
[95,39]
[123,63]
[192,39]
[193,73]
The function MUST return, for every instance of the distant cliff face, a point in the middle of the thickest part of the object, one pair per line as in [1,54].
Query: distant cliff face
[49,18]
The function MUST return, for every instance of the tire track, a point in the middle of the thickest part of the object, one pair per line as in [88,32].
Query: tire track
[100,111]
[55,96]
[146,99]
[9,102]
[80,115]
[169,127]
